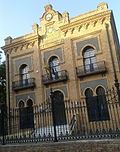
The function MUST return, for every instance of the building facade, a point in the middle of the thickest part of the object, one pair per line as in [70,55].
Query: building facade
[74,56]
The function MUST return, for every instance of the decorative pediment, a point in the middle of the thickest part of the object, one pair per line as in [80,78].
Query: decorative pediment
[51,20]
[49,13]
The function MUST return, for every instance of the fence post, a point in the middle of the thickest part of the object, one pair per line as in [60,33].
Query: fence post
[2,110]
[117,86]
[53,114]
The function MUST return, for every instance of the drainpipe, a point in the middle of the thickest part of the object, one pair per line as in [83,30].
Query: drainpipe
[8,90]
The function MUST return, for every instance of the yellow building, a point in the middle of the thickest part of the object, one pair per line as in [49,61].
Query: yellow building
[73,56]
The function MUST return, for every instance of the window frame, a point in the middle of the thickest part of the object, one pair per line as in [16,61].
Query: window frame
[54,66]
[89,59]
[24,74]
[97,107]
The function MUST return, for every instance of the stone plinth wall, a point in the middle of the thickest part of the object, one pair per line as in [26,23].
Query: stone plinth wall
[74,146]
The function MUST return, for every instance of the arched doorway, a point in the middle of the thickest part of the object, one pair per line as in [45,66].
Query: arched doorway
[59,108]
[103,113]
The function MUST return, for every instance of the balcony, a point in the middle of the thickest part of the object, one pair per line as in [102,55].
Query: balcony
[59,76]
[23,84]
[91,69]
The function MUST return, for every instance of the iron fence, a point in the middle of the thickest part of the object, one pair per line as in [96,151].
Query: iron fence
[68,120]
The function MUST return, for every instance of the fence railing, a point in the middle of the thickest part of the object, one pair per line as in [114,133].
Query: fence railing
[89,69]
[76,120]
[55,77]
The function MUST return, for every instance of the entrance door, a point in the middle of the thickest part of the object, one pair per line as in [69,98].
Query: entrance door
[59,108]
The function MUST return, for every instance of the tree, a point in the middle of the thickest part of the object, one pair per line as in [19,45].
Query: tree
[2,83]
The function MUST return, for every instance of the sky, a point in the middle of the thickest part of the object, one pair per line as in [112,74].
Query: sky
[17,16]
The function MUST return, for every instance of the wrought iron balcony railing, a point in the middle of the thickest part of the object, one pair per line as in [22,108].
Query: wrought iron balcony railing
[23,84]
[90,69]
[58,76]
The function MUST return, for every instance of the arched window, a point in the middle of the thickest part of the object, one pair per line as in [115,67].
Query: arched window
[22,113]
[24,75]
[30,114]
[21,104]
[102,104]
[26,115]
[97,105]
[54,67]
[91,105]
[88,93]
[89,59]
[100,91]
[59,108]
[29,103]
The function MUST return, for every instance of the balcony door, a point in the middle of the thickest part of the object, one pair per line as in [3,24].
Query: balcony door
[89,59]
[54,67]
[24,75]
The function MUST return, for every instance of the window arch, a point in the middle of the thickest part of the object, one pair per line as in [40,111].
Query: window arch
[29,103]
[89,59]
[54,67]
[88,92]
[24,75]
[21,104]
[100,91]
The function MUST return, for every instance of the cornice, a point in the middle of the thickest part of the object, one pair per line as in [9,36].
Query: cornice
[21,42]
[86,20]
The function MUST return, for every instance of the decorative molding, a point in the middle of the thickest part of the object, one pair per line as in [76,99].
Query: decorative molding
[65,33]
[72,30]
[21,43]
[21,47]
[25,97]
[33,43]
[26,46]
[94,20]
[25,60]
[79,28]
[87,41]
[93,84]
[95,23]
[57,51]
[86,25]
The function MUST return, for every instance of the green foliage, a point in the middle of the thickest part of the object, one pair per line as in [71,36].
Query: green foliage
[2,82]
